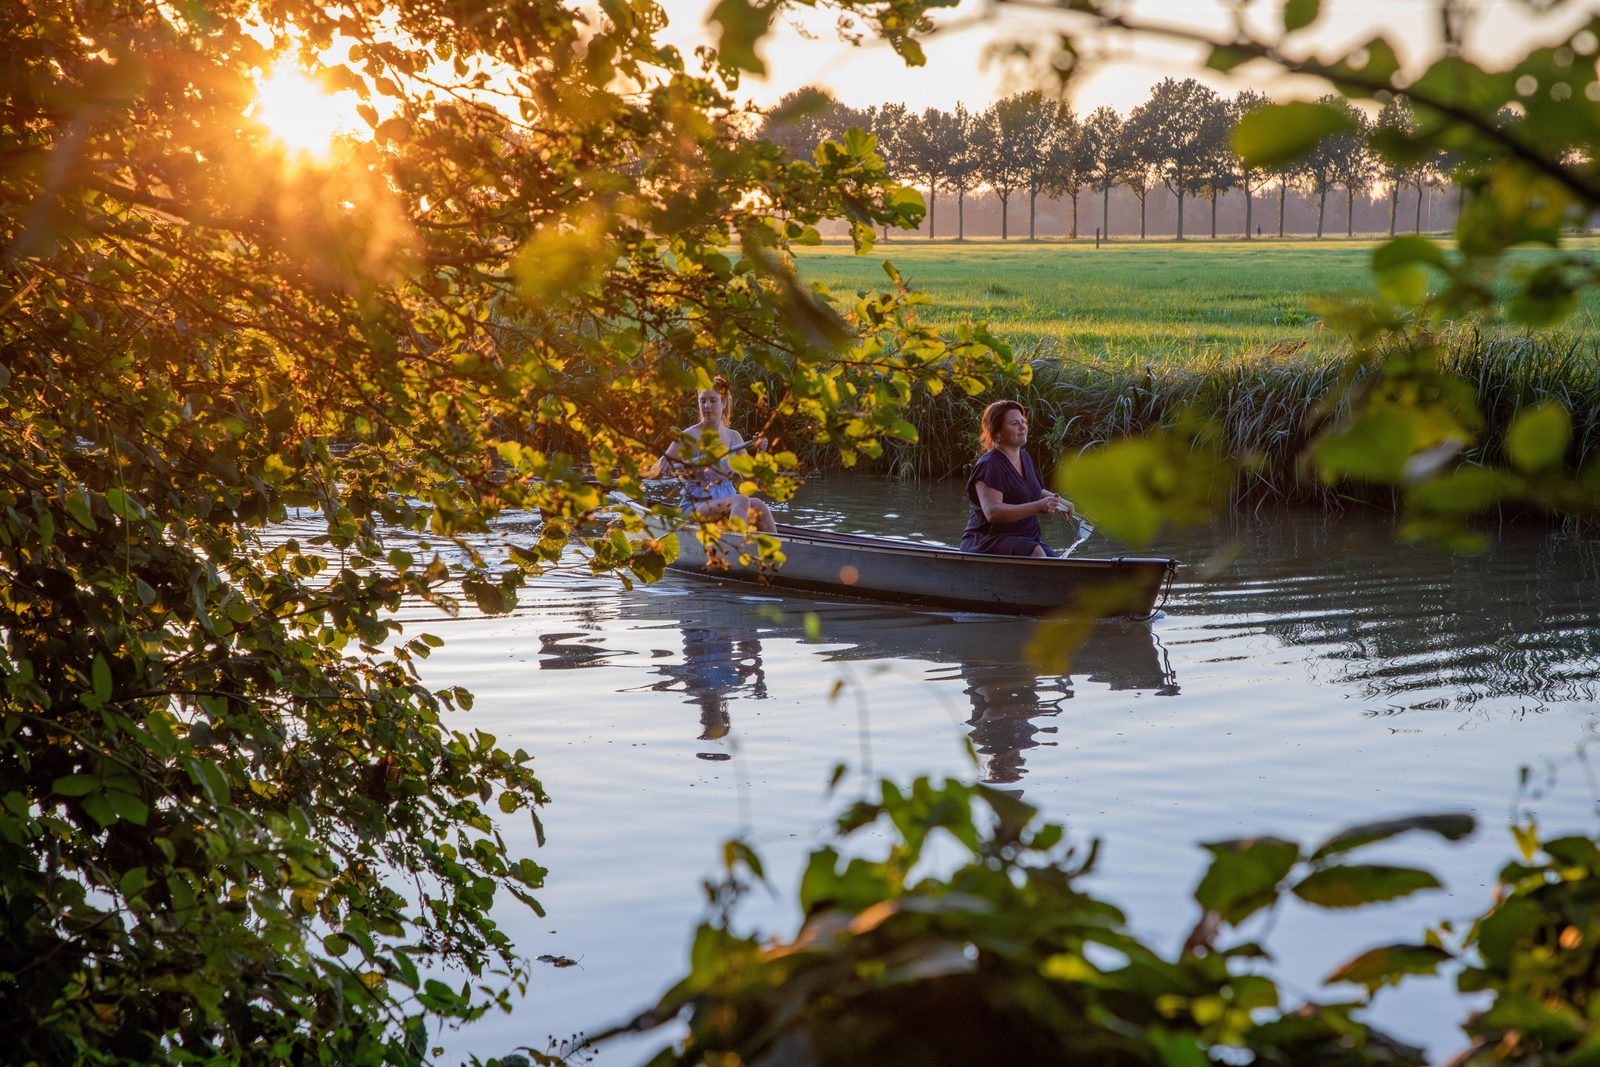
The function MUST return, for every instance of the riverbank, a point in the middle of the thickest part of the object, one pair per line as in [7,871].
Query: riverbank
[1123,340]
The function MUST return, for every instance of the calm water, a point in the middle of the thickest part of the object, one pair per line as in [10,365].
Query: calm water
[1319,675]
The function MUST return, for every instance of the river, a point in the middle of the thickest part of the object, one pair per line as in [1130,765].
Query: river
[1307,673]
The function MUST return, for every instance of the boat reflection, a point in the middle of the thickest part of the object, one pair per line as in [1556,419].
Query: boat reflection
[1010,701]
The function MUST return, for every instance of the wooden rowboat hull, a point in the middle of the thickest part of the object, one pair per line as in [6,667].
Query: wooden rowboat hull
[907,572]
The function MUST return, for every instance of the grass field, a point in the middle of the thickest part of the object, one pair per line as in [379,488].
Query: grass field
[1125,338]
[1130,302]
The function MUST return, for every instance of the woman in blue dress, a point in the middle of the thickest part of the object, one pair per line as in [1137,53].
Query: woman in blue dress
[710,488]
[1004,488]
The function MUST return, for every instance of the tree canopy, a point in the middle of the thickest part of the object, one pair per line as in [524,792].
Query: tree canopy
[235,824]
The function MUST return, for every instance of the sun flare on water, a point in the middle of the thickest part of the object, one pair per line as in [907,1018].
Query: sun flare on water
[300,113]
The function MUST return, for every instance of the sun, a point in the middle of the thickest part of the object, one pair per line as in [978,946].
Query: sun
[300,113]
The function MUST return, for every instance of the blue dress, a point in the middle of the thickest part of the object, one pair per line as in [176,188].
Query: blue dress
[704,482]
[1004,538]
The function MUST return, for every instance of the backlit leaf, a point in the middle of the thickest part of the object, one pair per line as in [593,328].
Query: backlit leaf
[1538,437]
[1280,133]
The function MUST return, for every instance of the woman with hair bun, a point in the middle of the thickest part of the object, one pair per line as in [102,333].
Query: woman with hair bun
[710,488]
[1004,488]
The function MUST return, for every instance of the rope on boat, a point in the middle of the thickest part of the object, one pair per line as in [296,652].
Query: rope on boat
[1166,591]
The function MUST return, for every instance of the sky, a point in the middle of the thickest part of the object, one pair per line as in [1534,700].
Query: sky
[805,49]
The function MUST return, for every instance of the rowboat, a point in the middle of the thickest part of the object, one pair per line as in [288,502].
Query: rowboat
[911,572]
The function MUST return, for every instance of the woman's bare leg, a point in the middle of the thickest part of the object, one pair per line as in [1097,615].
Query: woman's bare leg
[738,507]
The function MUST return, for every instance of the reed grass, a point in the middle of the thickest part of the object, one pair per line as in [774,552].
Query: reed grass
[1133,342]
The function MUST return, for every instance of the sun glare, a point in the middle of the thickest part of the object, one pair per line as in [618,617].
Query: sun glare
[298,112]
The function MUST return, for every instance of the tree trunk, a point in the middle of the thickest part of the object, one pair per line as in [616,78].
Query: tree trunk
[1142,200]
[1394,206]
[1249,219]
[1033,210]
[961,213]
[1074,214]
[1283,197]
[1419,207]
[933,207]
[1349,211]
[1322,206]
[1180,213]
[1213,214]
[1105,213]
[1005,217]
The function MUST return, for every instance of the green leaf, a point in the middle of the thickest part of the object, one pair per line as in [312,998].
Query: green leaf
[1408,249]
[75,785]
[743,24]
[1405,285]
[1466,490]
[1130,487]
[100,675]
[1554,1022]
[1380,966]
[128,806]
[1244,875]
[1516,921]
[133,882]
[1354,885]
[1224,58]
[1574,852]
[1539,436]
[1587,1056]
[1451,826]
[1374,448]
[120,504]
[77,505]
[1177,1049]
[1298,14]
[1281,133]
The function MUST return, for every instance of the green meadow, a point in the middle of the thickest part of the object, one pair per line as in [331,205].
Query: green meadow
[1128,337]
[1132,302]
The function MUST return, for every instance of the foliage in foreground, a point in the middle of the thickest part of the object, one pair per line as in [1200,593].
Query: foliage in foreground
[234,824]
[913,958]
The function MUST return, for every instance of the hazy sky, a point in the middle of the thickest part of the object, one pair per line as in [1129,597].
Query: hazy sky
[805,49]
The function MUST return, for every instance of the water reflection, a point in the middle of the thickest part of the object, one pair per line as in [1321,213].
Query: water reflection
[1009,697]
[1010,702]
[1411,628]
[719,662]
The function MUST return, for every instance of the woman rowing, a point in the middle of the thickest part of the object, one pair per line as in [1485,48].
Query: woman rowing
[710,488]
[1004,488]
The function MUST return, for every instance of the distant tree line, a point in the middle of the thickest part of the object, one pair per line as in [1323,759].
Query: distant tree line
[1180,139]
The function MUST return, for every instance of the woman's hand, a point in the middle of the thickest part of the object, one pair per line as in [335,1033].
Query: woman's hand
[1053,502]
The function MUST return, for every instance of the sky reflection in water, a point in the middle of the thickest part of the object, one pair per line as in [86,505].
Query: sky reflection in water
[1324,676]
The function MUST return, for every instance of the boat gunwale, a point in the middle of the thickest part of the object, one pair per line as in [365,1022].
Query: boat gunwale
[897,545]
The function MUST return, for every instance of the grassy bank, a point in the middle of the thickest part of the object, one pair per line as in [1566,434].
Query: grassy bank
[1123,338]
[1193,301]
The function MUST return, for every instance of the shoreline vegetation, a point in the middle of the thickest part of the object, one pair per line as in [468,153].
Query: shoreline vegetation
[1127,340]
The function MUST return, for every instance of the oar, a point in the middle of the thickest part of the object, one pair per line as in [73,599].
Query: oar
[1071,516]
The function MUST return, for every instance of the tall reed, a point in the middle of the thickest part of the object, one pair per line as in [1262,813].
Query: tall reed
[1265,405]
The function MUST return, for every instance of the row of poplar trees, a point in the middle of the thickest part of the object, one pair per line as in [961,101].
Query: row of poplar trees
[1181,139]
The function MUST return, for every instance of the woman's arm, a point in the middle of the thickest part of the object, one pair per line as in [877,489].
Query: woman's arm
[996,510]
